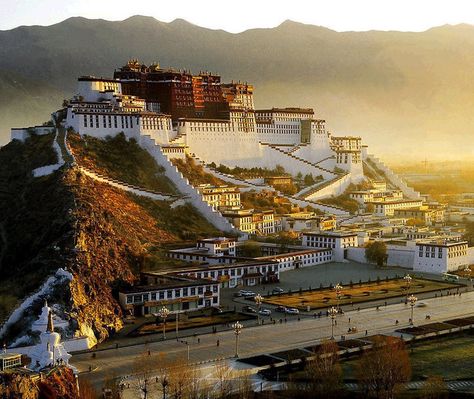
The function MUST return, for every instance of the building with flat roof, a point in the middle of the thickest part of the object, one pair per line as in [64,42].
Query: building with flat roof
[220,197]
[440,256]
[387,208]
[338,241]
[9,361]
[178,293]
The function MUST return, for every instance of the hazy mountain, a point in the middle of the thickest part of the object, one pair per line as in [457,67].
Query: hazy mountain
[403,92]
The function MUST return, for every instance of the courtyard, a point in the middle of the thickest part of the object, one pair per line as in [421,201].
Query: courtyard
[356,292]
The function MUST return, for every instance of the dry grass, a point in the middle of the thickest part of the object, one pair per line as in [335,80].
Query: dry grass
[323,298]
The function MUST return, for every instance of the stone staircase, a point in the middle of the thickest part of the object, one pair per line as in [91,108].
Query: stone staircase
[392,178]
[186,188]
[292,198]
[300,159]
[140,191]
[306,193]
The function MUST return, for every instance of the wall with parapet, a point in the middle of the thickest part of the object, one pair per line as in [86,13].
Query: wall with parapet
[393,178]
[183,185]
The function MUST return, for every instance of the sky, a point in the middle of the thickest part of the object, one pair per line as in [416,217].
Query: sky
[236,16]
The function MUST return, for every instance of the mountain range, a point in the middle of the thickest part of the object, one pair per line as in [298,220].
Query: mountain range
[408,94]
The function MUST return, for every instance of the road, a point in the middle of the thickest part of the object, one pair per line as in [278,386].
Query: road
[271,338]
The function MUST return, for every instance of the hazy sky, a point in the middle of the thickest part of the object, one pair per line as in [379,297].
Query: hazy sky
[236,16]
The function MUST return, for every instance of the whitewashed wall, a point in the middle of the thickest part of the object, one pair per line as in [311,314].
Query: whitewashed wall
[183,185]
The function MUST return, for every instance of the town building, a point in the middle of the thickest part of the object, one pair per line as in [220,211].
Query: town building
[428,216]
[219,250]
[220,197]
[304,221]
[440,256]
[387,208]
[9,361]
[298,259]
[252,221]
[278,180]
[178,293]
[338,241]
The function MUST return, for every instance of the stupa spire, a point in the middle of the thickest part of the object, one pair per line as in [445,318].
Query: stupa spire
[50,327]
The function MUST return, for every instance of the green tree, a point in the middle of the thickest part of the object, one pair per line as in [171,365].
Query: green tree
[309,180]
[469,234]
[250,249]
[376,252]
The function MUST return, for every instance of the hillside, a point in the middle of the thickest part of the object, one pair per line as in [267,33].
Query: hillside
[104,236]
[400,87]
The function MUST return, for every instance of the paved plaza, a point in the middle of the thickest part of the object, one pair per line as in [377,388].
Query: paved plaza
[268,338]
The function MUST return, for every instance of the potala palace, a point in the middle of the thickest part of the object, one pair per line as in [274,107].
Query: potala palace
[215,122]
[174,114]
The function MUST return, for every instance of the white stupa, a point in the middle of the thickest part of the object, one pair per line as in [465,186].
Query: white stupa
[42,323]
[50,351]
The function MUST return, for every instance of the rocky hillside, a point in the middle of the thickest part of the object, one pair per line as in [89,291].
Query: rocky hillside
[102,235]
[59,383]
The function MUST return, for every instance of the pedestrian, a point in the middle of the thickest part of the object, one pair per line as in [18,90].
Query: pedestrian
[218,342]
[366,332]
[349,320]
[199,340]
[149,353]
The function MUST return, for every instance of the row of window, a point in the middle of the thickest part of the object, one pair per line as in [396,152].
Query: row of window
[170,294]
[106,121]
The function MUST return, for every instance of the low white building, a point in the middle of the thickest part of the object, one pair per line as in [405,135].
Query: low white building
[387,208]
[176,293]
[338,241]
[440,256]
[295,260]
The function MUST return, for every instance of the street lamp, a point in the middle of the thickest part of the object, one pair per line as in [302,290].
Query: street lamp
[164,313]
[332,313]
[258,300]
[407,279]
[237,330]
[338,289]
[412,300]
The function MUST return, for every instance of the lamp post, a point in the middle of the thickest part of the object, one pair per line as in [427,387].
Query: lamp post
[164,313]
[237,330]
[412,300]
[338,289]
[258,301]
[407,279]
[332,313]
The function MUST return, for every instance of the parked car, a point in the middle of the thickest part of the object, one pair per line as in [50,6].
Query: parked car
[249,309]
[281,309]
[292,311]
[265,312]
[277,290]
[421,305]
[245,293]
